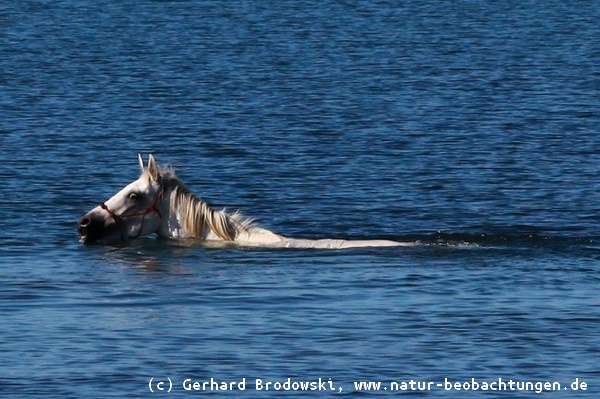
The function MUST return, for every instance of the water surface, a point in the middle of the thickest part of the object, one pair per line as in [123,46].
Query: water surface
[469,127]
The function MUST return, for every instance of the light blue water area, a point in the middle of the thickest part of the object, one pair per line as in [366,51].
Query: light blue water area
[469,127]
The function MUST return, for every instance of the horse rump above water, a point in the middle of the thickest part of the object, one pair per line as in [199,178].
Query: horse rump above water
[158,203]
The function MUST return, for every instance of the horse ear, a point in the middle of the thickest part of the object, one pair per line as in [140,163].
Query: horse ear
[141,163]
[153,168]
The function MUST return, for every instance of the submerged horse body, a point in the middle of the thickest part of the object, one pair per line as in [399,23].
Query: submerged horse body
[159,203]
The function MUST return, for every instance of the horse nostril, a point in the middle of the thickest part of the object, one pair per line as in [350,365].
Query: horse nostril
[84,221]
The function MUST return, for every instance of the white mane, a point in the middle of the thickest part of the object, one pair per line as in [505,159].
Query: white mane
[197,218]
[196,215]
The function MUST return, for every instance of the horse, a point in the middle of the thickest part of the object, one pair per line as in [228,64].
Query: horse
[159,203]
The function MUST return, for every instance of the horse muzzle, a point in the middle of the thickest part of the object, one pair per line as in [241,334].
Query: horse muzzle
[93,228]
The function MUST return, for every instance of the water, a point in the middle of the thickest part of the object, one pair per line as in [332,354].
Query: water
[471,127]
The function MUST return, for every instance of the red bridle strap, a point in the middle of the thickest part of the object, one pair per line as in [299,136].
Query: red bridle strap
[119,218]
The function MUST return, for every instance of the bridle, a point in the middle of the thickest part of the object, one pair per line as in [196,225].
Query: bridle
[120,218]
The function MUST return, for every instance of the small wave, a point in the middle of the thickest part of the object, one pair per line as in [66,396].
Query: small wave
[515,239]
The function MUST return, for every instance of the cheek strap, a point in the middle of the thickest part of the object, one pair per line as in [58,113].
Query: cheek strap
[120,218]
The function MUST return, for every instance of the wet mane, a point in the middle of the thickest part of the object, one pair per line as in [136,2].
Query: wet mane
[195,214]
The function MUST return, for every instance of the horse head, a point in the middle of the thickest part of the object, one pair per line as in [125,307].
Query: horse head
[133,212]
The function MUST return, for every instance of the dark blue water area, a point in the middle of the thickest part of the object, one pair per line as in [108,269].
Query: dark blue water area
[470,128]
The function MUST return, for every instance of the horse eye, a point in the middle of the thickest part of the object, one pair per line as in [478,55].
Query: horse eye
[134,196]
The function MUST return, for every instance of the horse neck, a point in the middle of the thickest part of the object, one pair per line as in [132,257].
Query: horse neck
[190,216]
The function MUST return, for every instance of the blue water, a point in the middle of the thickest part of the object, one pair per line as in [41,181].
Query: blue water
[471,127]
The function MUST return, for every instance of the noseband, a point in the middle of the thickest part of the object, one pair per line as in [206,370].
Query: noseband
[120,218]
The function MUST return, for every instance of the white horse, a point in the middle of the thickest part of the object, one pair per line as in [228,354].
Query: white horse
[159,203]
